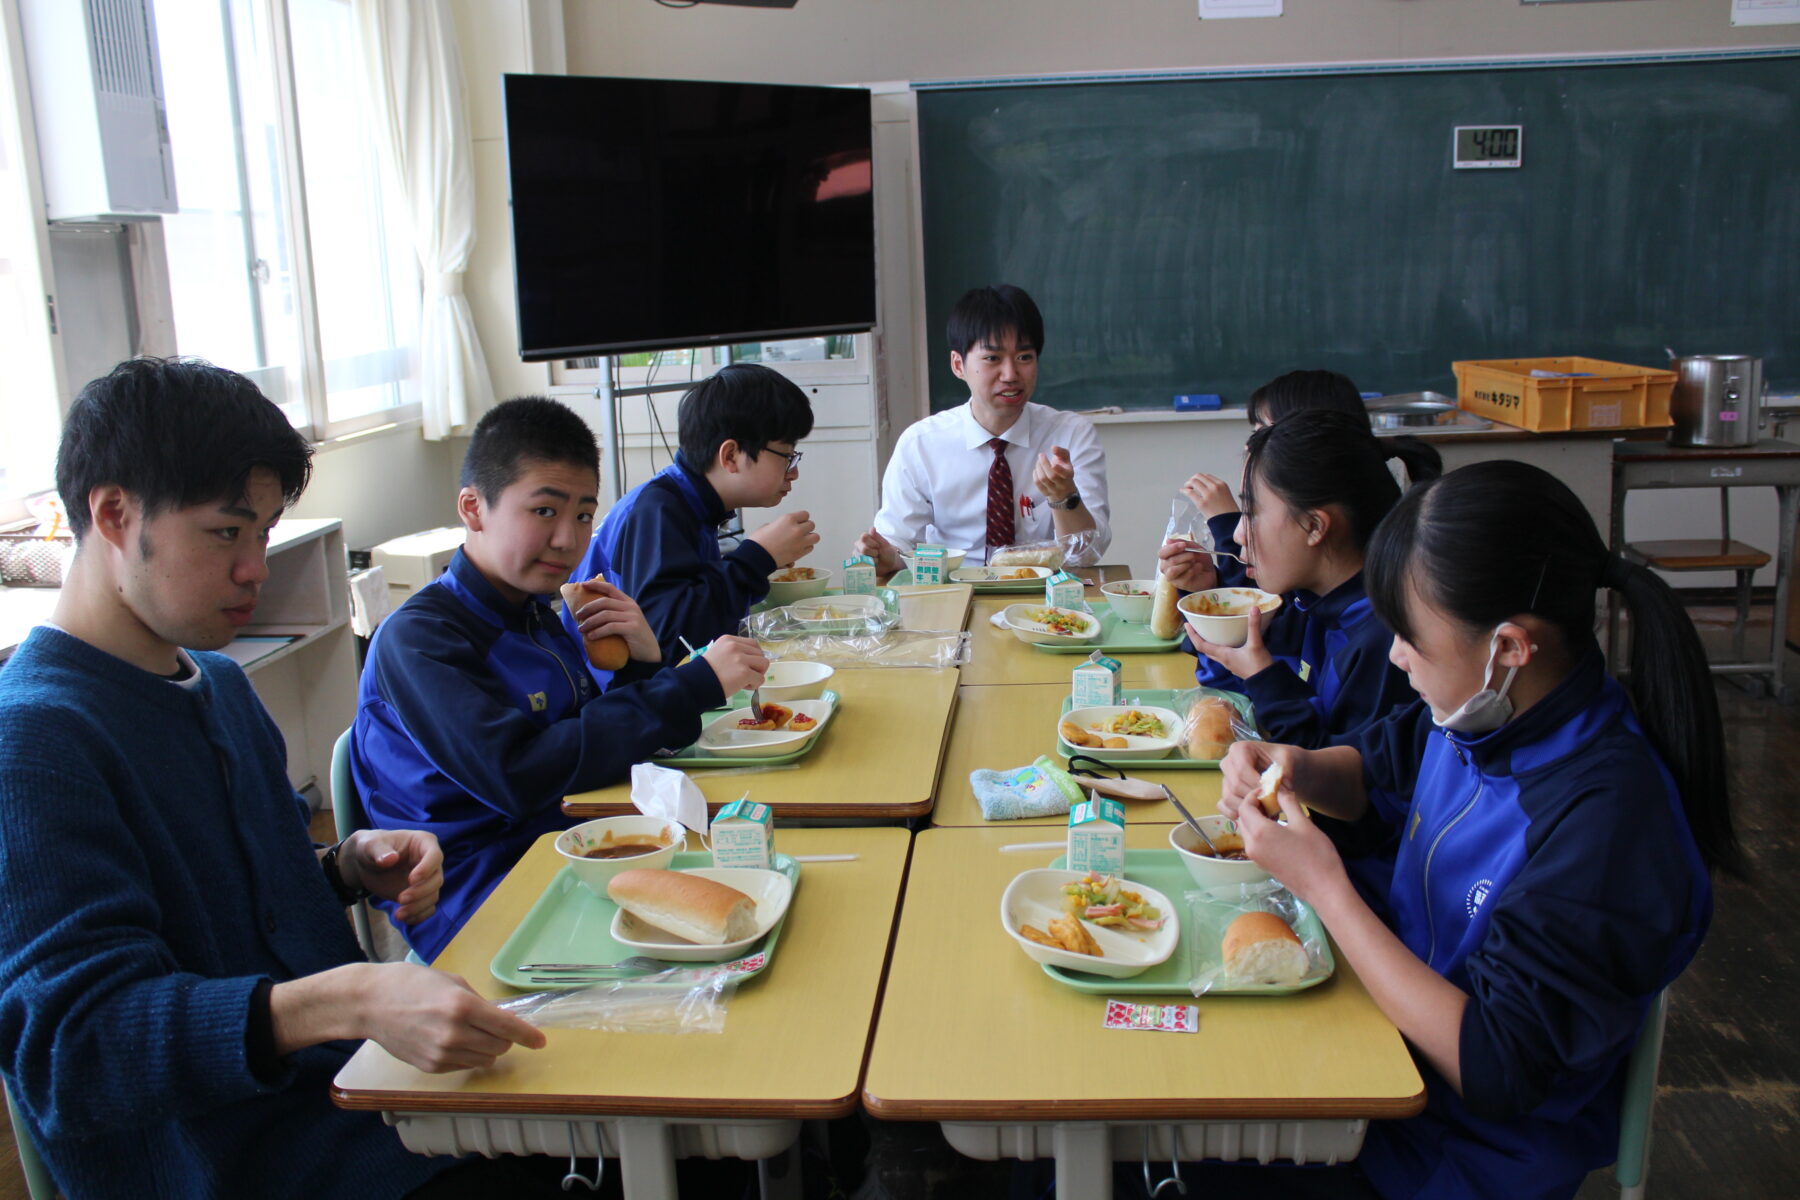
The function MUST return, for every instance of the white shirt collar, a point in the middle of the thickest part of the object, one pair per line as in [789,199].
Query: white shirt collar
[977,438]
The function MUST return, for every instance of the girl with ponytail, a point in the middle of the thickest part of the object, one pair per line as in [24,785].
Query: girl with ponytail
[1555,831]
[1316,484]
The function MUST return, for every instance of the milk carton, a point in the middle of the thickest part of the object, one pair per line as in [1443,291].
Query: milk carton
[1063,590]
[1096,682]
[741,836]
[928,564]
[1097,836]
[859,576]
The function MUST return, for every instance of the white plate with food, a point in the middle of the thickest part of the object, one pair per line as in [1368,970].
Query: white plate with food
[1119,732]
[1130,930]
[836,614]
[677,922]
[984,578]
[1044,625]
[737,734]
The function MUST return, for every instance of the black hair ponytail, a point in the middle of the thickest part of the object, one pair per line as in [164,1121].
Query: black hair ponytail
[1298,391]
[1318,457]
[1489,542]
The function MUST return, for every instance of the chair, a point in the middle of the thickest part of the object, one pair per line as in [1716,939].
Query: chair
[1709,554]
[38,1184]
[1639,1102]
[347,814]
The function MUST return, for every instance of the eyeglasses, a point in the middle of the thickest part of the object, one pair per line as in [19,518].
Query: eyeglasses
[793,457]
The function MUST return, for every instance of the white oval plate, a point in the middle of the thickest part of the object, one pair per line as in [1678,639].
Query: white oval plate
[1136,746]
[997,574]
[1036,634]
[771,890]
[1034,897]
[722,736]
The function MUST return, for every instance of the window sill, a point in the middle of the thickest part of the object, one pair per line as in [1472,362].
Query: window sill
[387,429]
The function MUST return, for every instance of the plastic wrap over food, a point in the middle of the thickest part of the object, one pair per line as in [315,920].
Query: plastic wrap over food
[1071,549]
[678,1000]
[1211,911]
[1187,524]
[891,648]
[1211,721]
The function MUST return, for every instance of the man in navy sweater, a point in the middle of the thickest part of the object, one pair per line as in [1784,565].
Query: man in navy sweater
[739,431]
[178,984]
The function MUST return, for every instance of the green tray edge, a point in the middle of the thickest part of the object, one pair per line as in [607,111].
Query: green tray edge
[1150,646]
[1155,698]
[903,578]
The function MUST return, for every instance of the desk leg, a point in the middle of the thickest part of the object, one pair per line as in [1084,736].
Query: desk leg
[1784,568]
[646,1158]
[1083,1161]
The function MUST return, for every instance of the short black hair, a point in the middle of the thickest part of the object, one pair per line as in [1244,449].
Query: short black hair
[1299,390]
[985,315]
[521,430]
[743,403]
[174,432]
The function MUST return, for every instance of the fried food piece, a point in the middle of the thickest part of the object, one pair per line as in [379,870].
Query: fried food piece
[763,726]
[1075,735]
[1073,936]
[1116,743]
[801,723]
[1033,934]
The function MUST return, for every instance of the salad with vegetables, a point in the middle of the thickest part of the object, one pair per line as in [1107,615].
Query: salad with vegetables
[1100,899]
[1134,722]
[1058,621]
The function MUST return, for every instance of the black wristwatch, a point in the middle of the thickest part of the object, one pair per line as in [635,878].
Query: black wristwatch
[1069,505]
[346,894]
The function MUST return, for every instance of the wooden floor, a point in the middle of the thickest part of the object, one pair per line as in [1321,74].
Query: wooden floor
[1728,1099]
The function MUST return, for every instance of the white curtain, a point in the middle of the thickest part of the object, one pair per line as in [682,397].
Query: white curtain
[414,81]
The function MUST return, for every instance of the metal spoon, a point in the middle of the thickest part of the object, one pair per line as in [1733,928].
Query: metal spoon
[1191,823]
[637,962]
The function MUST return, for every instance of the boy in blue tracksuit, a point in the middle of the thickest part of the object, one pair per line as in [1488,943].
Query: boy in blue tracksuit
[476,712]
[739,431]
[1554,833]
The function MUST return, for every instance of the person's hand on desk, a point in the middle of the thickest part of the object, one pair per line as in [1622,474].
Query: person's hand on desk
[429,1019]
[788,538]
[887,558]
[1187,565]
[402,865]
[612,612]
[738,662]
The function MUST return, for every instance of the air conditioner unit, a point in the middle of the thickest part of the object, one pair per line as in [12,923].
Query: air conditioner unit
[96,97]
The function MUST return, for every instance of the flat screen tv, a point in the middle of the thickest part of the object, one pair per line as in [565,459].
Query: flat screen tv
[652,213]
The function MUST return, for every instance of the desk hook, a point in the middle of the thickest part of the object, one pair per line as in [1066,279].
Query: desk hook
[574,1175]
[1155,1189]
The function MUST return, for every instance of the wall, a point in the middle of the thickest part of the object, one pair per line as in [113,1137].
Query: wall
[382,485]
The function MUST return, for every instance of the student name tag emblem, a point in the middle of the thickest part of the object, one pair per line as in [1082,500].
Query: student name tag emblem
[539,701]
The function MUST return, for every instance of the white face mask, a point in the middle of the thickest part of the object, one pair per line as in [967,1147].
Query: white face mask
[1488,709]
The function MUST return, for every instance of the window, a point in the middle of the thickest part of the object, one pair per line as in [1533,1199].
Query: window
[804,358]
[289,260]
[30,418]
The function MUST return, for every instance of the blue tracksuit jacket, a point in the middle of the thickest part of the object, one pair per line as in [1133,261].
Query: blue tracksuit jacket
[1231,571]
[475,717]
[1547,870]
[660,546]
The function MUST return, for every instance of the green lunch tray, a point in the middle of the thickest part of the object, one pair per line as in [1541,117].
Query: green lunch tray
[1152,698]
[1012,587]
[889,598]
[691,756]
[1117,636]
[1196,948]
[570,924]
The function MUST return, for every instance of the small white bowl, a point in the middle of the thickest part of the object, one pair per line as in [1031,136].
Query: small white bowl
[789,680]
[1207,871]
[1131,606]
[597,872]
[1035,897]
[1017,618]
[952,560]
[723,737]
[816,581]
[772,891]
[1136,746]
[1231,630]
[994,575]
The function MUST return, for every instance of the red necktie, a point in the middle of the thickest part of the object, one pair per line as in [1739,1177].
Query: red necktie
[1000,498]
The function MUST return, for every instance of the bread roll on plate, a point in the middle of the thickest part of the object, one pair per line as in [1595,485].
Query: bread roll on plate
[1259,948]
[699,910]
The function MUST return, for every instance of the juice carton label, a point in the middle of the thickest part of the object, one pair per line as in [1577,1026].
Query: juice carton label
[859,576]
[1096,682]
[1063,590]
[1097,836]
[741,836]
[928,564]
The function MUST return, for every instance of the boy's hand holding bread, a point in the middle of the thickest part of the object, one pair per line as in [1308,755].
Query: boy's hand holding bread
[613,628]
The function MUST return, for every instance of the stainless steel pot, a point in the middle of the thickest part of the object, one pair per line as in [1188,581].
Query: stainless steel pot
[1717,400]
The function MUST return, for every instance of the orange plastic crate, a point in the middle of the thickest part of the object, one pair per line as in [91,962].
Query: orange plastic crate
[1591,393]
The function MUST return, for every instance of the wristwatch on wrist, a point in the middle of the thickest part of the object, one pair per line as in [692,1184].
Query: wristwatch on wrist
[1068,504]
[346,894]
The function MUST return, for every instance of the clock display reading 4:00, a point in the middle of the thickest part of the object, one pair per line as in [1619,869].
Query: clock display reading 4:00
[1487,146]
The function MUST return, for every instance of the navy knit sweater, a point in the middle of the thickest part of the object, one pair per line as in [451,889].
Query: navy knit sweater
[155,867]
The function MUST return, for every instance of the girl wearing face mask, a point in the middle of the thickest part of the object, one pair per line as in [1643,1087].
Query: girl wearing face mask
[1316,484]
[1555,831]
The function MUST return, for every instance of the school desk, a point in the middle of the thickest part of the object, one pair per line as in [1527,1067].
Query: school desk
[974,1035]
[792,1048]
[1000,727]
[943,607]
[876,760]
[997,657]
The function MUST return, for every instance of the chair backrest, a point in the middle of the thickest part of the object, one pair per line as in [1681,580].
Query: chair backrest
[38,1184]
[1640,1100]
[348,815]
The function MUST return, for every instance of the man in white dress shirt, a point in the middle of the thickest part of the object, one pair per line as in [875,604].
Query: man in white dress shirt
[998,470]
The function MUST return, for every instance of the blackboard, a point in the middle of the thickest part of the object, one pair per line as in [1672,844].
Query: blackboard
[1205,235]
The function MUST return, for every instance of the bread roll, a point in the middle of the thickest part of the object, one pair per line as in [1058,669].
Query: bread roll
[608,653]
[1165,618]
[1209,733]
[1268,788]
[701,910]
[1260,948]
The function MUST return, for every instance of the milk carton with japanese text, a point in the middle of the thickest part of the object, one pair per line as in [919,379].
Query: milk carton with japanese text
[859,576]
[1097,836]
[741,836]
[1063,590]
[1096,683]
[928,564]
